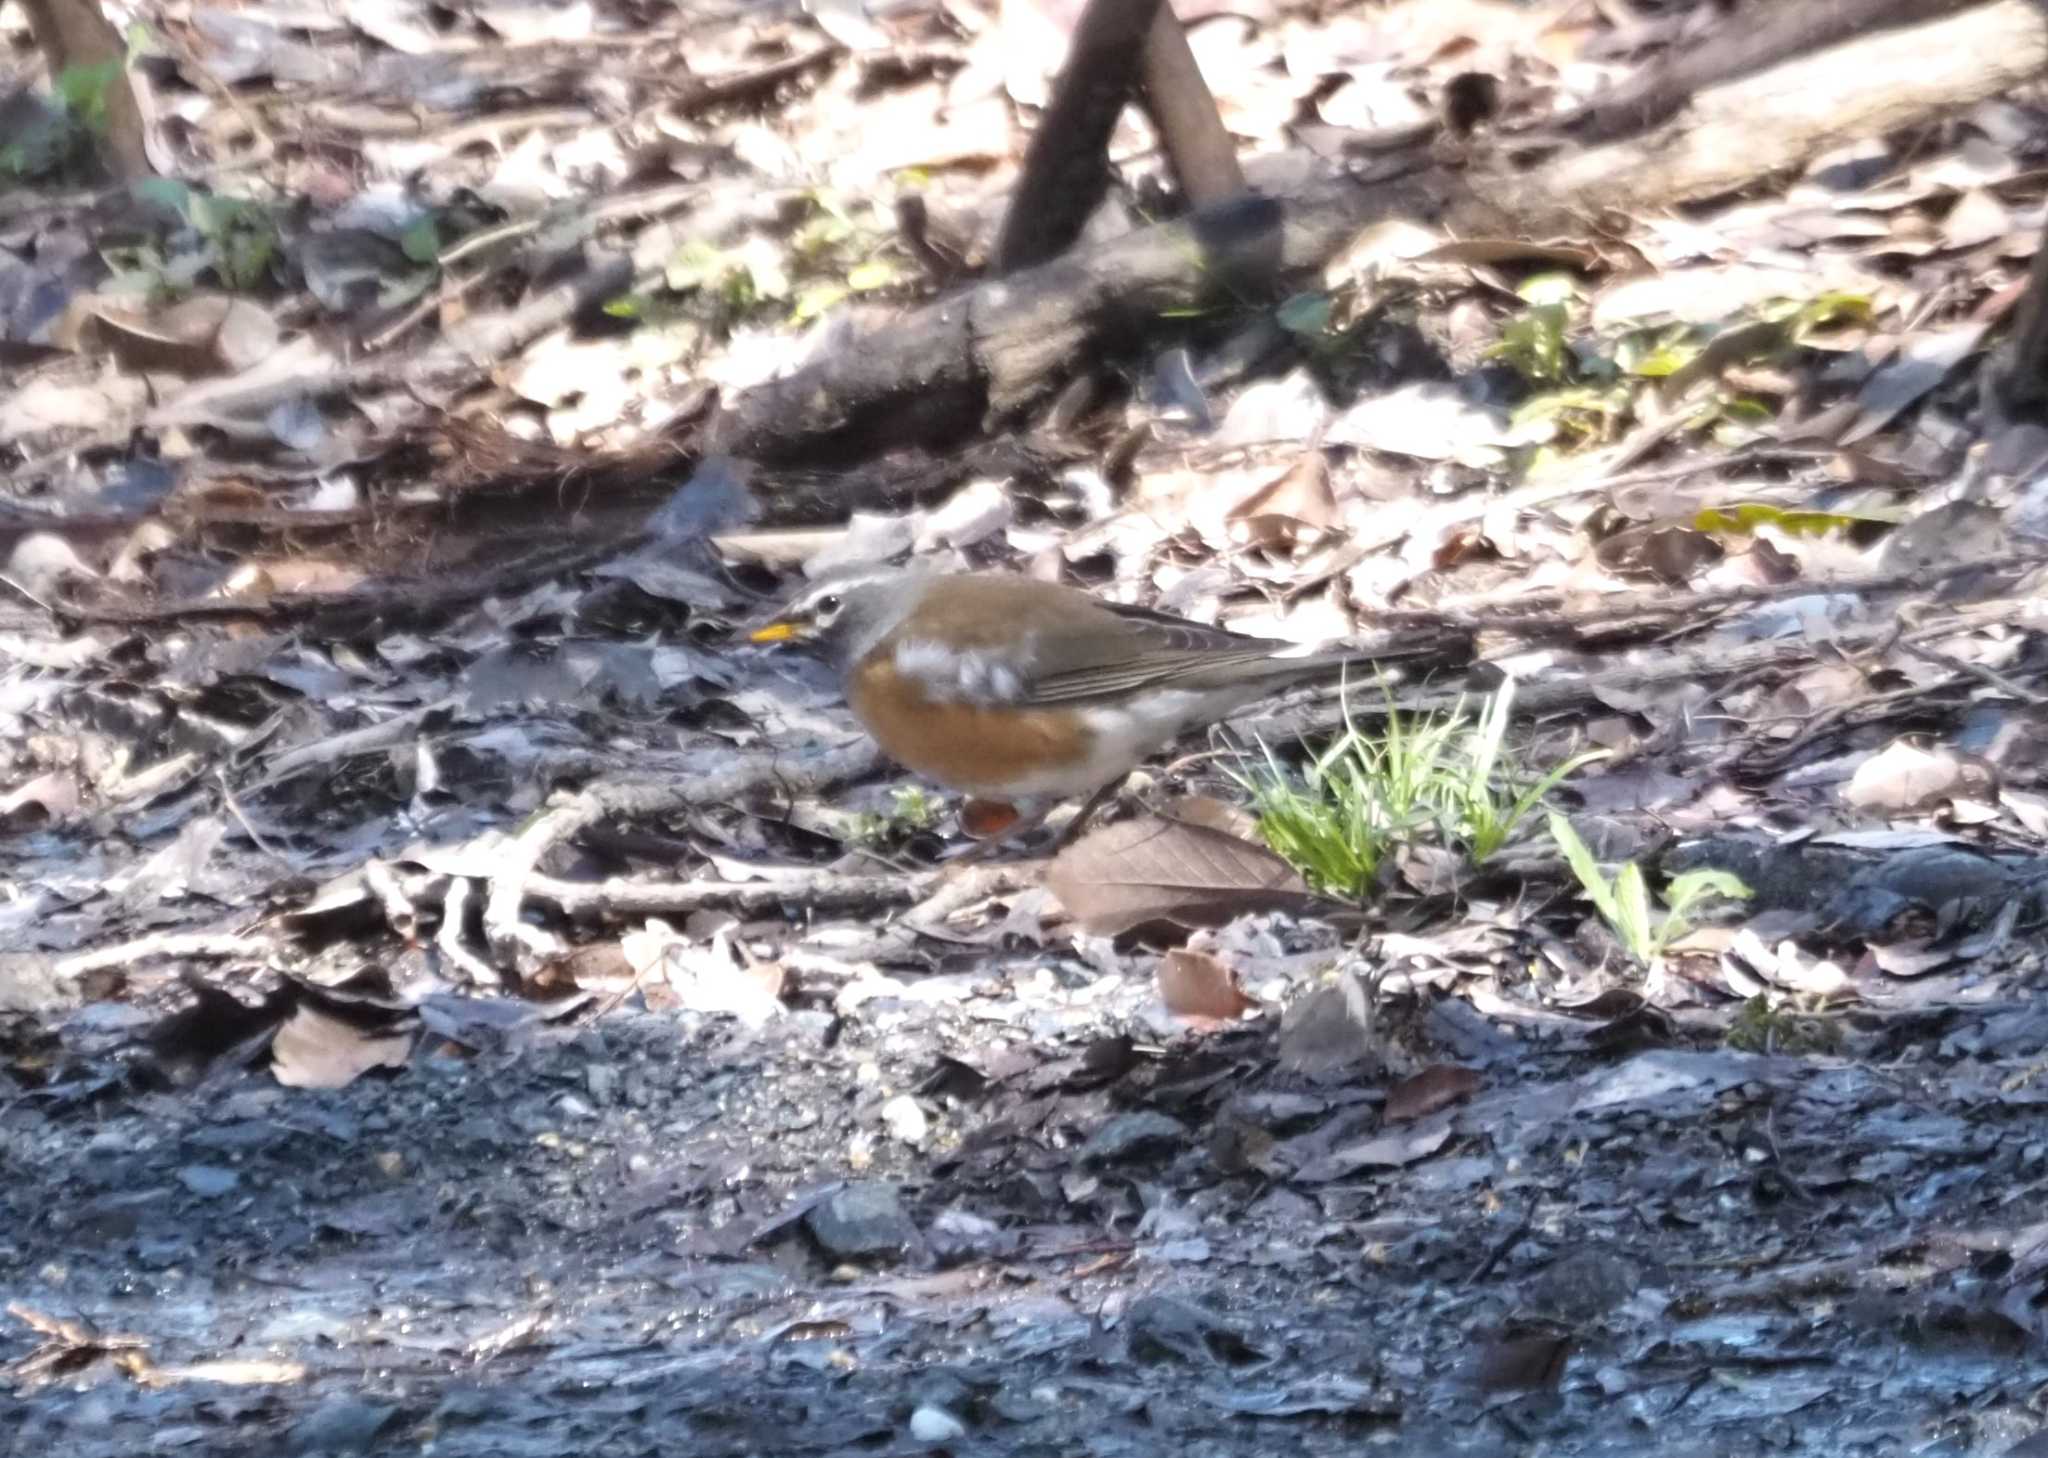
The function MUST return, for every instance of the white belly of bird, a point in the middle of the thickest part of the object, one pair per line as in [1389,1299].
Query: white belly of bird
[1122,736]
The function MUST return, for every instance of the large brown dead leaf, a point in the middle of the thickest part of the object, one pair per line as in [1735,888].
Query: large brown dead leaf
[1152,870]
[1907,775]
[315,1049]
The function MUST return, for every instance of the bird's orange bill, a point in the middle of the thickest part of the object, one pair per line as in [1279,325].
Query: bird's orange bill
[781,632]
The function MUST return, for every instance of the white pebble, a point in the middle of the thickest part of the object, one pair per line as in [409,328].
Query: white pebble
[905,1119]
[935,1425]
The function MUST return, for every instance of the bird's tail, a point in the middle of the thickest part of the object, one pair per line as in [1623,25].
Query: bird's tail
[1416,658]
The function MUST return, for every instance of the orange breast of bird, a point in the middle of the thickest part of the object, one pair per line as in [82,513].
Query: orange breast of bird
[986,749]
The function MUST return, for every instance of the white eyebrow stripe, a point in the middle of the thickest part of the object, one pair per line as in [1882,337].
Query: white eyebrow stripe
[972,676]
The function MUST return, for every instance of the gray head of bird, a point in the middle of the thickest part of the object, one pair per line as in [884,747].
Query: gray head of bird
[843,615]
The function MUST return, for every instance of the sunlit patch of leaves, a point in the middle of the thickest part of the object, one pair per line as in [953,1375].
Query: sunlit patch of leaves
[1623,900]
[723,284]
[1444,779]
[842,250]
[1586,389]
[835,252]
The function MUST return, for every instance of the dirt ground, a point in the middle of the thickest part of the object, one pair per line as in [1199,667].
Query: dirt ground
[662,1234]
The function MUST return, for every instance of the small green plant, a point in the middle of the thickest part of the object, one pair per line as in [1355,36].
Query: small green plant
[1535,342]
[1624,900]
[1334,825]
[911,810]
[1430,776]
[241,234]
[238,243]
[1761,1028]
[730,282]
[1483,796]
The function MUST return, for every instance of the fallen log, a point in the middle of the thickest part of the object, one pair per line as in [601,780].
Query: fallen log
[981,357]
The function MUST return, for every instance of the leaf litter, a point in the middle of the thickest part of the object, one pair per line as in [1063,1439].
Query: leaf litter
[415,906]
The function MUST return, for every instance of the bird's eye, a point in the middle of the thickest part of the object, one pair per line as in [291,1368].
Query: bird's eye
[828,607]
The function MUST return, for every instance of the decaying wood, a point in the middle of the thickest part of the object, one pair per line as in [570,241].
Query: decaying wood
[1121,50]
[1183,111]
[946,370]
[1781,118]
[1742,45]
[1065,172]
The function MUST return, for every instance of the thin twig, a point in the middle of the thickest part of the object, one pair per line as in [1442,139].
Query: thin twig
[234,808]
[1977,670]
[184,946]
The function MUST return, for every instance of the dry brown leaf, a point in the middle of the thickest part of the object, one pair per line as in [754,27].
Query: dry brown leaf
[1914,957]
[1388,1150]
[1671,555]
[1215,814]
[1824,686]
[206,334]
[714,976]
[1200,988]
[1294,506]
[1148,871]
[593,967]
[1436,1087]
[1905,776]
[314,1049]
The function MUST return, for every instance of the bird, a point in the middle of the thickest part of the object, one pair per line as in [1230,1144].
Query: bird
[1021,693]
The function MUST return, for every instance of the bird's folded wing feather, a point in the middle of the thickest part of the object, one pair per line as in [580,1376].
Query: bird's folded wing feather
[1169,653]
[1194,670]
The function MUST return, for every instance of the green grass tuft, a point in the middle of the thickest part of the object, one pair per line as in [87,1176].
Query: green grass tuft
[1440,778]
